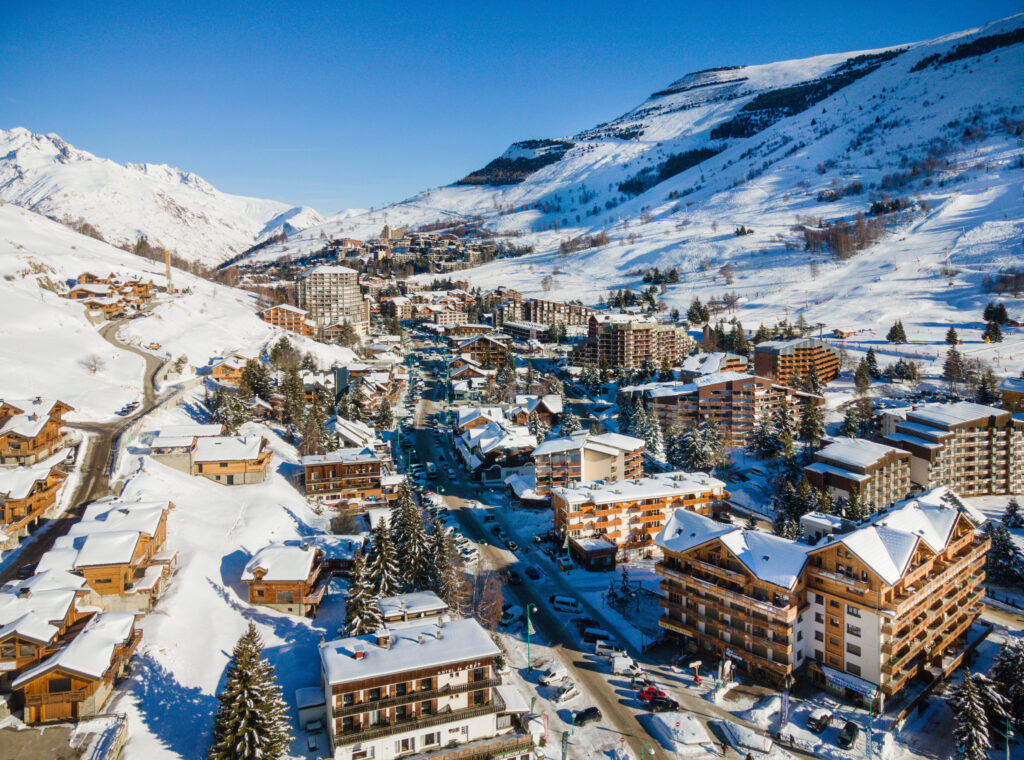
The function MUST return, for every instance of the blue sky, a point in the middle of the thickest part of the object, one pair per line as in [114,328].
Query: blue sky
[341,104]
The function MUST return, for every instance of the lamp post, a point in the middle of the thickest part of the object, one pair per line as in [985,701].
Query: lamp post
[529,626]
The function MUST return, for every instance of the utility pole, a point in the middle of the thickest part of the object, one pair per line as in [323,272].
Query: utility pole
[529,628]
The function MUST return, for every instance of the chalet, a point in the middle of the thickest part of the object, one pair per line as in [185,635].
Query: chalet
[30,429]
[27,493]
[547,408]
[119,548]
[77,680]
[88,278]
[287,578]
[233,461]
[486,350]
[85,291]
[345,474]
[1012,390]
[108,307]
[288,317]
[469,417]
[228,371]
[31,624]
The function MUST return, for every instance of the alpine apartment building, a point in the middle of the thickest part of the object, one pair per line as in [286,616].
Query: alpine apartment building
[879,474]
[861,612]
[344,474]
[583,457]
[629,513]
[783,360]
[734,400]
[628,340]
[331,294]
[975,450]
[417,689]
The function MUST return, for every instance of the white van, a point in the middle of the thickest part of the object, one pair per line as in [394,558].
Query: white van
[604,648]
[566,604]
[511,615]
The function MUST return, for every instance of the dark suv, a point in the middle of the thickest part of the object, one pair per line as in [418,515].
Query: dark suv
[662,704]
[583,717]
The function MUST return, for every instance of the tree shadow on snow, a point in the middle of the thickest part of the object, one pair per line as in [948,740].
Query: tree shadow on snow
[179,716]
[231,567]
[285,627]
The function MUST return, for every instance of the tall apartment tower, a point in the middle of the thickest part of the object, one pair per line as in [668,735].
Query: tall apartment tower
[331,294]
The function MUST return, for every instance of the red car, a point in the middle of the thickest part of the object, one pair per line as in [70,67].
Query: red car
[649,693]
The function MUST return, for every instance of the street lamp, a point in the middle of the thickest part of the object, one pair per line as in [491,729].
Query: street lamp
[646,749]
[529,626]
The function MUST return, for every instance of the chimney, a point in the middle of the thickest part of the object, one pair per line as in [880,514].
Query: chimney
[437,631]
[358,653]
[383,636]
[419,638]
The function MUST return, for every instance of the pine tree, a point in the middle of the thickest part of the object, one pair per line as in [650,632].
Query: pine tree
[556,387]
[385,416]
[1003,559]
[999,315]
[293,410]
[1012,517]
[256,379]
[383,570]
[362,615]
[993,333]
[872,361]
[665,373]
[570,423]
[251,721]
[896,333]
[854,508]
[952,338]
[647,369]
[654,440]
[988,388]
[825,502]
[953,367]
[344,410]
[1007,674]
[314,431]
[751,522]
[739,341]
[538,428]
[785,434]
[357,402]
[697,314]
[812,383]
[812,422]
[283,354]
[970,732]
[764,442]
[990,312]
[453,581]
[862,376]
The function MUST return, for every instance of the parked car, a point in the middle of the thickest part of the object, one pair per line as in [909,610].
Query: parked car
[511,615]
[662,704]
[848,736]
[490,519]
[649,693]
[819,720]
[566,692]
[514,577]
[512,546]
[551,676]
[25,571]
[583,717]
[532,573]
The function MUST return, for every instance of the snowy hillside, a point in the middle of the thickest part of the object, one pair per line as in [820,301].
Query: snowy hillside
[49,339]
[172,208]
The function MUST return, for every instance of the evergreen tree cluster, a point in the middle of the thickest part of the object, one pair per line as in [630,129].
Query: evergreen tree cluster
[636,420]
[979,709]
[897,334]
[227,408]
[773,435]
[695,449]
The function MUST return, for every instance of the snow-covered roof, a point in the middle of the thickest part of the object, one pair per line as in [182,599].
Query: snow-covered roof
[886,542]
[113,548]
[824,468]
[90,653]
[285,307]
[47,580]
[551,401]
[18,482]
[465,415]
[34,414]
[610,443]
[30,626]
[856,452]
[354,455]
[231,449]
[1012,384]
[162,441]
[785,347]
[118,516]
[414,603]
[705,364]
[412,648]
[768,557]
[191,431]
[524,486]
[281,563]
[659,486]
[353,431]
[947,415]
[34,612]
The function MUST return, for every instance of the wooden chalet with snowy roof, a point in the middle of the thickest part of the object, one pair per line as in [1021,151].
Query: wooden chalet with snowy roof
[228,371]
[26,493]
[287,578]
[32,623]
[290,318]
[30,429]
[344,474]
[76,681]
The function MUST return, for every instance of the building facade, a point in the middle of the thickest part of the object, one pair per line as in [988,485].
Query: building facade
[331,294]
[784,360]
[975,450]
[30,429]
[628,341]
[288,317]
[584,457]
[344,474]
[879,474]
[287,578]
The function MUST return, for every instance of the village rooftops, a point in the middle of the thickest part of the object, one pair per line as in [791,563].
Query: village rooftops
[856,452]
[17,482]
[418,603]
[950,415]
[232,449]
[90,653]
[768,557]
[360,658]
[117,516]
[281,563]
[327,269]
[354,455]
[654,487]
[30,626]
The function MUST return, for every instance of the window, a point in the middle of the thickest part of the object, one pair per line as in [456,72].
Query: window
[852,611]
[26,650]
[853,669]
[285,597]
[405,745]
[478,674]
[818,636]
[431,739]
[8,652]
[819,599]
[819,618]
[833,641]
[833,603]
[426,684]
[853,630]
[59,685]
[834,622]
[375,693]
[348,699]
[853,649]
[799,635]
[478,698]
[833,660]
[401,689]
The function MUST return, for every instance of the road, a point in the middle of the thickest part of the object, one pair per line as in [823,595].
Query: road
[94,482]
[617,704]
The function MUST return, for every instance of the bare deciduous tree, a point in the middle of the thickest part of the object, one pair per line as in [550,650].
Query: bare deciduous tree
[94,363]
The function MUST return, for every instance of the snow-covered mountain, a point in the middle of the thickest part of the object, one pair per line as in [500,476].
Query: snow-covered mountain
[756,146]
[172,208]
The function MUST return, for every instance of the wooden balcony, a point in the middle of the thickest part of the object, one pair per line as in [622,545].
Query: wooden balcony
[783,614]
[414,696]
[364,734]
[56,697]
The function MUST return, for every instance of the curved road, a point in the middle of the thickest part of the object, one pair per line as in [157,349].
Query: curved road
[94,482]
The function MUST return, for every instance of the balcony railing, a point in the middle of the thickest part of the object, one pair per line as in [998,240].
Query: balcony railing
[56,697]
[363,734]
[414,696]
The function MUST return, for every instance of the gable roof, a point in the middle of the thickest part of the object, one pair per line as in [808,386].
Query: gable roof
[91,652]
